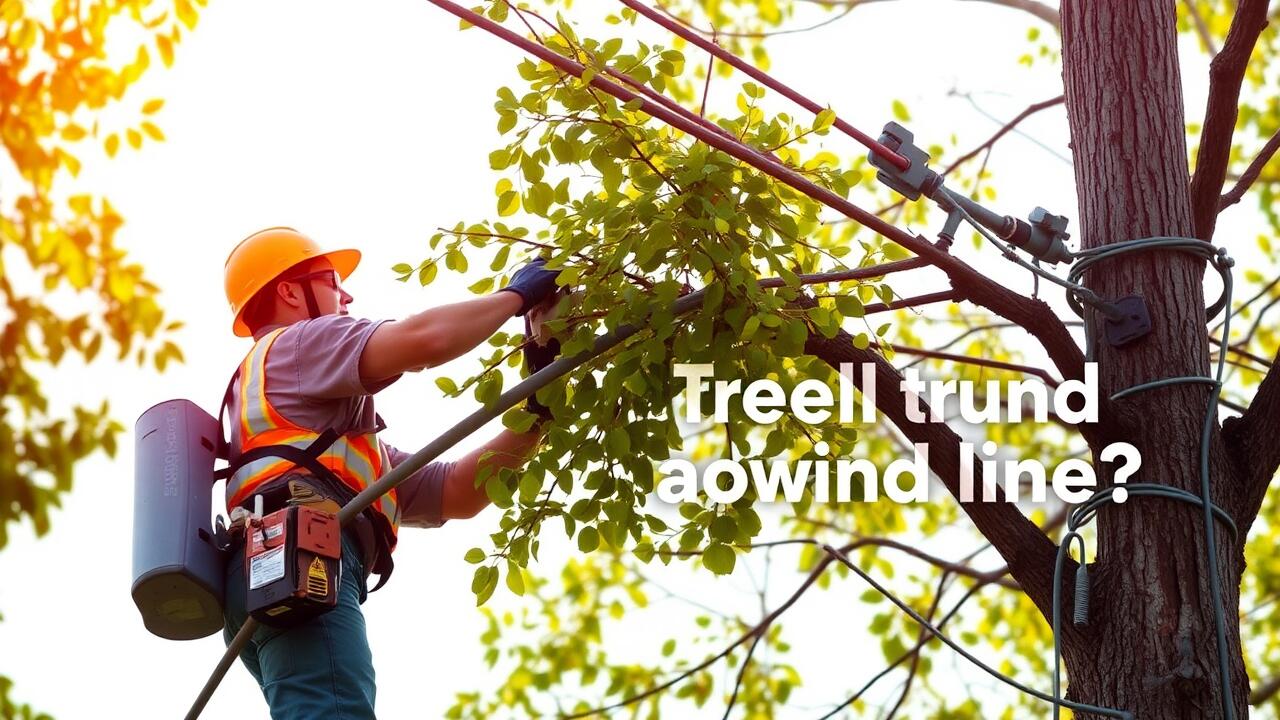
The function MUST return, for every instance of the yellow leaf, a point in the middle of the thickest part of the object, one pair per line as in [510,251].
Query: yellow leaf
[112,144]
[72,132]
[186,13]
[165,46]
[152,106]
[135,138]
[69,161]
[150,129]
[23,35]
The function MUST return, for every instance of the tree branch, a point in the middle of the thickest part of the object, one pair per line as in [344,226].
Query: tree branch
[751,634]
[909,654]
[1032,109]
[923,636]
[986,146]
[1251,173]
[1040,10]
[980,362]
[1265,691]
[1028,552]
[1253,436]
[1226,73]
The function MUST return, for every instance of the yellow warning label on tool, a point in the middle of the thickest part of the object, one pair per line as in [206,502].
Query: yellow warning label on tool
[318,579]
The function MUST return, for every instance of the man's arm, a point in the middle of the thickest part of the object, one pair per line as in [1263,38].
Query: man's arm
[434,336]
[438,335]
[462,499]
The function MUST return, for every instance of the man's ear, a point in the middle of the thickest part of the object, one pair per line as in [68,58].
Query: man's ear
[287,293]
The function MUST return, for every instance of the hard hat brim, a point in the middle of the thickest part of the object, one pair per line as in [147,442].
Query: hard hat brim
[344,262]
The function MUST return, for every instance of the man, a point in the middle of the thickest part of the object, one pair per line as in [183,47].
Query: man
[314,368]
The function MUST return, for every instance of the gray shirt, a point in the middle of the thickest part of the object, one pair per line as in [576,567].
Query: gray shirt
[313,381]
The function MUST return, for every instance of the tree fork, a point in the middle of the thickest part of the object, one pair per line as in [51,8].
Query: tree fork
[1150,644]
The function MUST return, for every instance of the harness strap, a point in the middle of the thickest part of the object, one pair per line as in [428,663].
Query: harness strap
[300,458]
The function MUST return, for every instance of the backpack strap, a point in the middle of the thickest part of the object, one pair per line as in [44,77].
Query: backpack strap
[224,446]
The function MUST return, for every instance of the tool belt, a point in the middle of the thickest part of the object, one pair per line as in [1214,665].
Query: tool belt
[371,531]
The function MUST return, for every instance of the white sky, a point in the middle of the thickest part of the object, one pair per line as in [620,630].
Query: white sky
[370,127]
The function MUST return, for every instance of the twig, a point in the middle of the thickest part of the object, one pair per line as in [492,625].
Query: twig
[981,362]
[706,88]
[751,634]
[1250,174]
[909,302]
[1201,28]
[906,655]
[760,35]
[922,636]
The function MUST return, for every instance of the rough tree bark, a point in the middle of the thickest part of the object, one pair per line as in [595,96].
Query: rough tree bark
[1150,644]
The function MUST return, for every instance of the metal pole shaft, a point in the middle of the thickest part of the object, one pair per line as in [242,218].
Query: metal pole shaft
[233,651]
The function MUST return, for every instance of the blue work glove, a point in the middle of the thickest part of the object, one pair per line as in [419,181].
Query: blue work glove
[537,357]
[533,283]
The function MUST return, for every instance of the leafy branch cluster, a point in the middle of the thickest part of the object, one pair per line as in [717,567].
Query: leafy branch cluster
[67,288]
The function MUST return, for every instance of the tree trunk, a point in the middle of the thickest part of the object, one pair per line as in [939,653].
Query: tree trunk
[1150,644]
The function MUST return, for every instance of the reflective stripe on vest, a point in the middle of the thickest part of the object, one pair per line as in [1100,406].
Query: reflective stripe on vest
[357,459]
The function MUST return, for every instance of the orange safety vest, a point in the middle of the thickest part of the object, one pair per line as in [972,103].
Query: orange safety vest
[357,459]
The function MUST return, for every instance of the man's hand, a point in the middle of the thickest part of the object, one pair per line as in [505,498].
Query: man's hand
[533,283]
[537,357]
[462,498]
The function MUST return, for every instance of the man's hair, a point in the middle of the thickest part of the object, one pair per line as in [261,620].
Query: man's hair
[261,307]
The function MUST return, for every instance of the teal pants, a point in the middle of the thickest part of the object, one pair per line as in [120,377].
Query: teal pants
[320,669]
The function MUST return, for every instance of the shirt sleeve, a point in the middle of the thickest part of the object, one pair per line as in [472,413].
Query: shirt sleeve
[421,496]
[327,357]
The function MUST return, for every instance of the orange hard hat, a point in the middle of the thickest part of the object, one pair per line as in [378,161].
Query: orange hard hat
[265,256]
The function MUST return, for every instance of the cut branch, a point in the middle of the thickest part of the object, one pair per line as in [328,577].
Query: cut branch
[1226,73]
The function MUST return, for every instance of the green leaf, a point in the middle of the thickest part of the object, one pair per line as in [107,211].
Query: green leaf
[723,529]
[447,385]
[515,579]
[849,306]
[719,558]
[506,121]
[588,539]
[508,203]
[474,555]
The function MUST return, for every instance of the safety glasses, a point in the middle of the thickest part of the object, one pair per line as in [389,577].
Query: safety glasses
[331,276]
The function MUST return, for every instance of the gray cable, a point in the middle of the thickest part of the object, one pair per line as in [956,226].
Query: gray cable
[1077,295]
